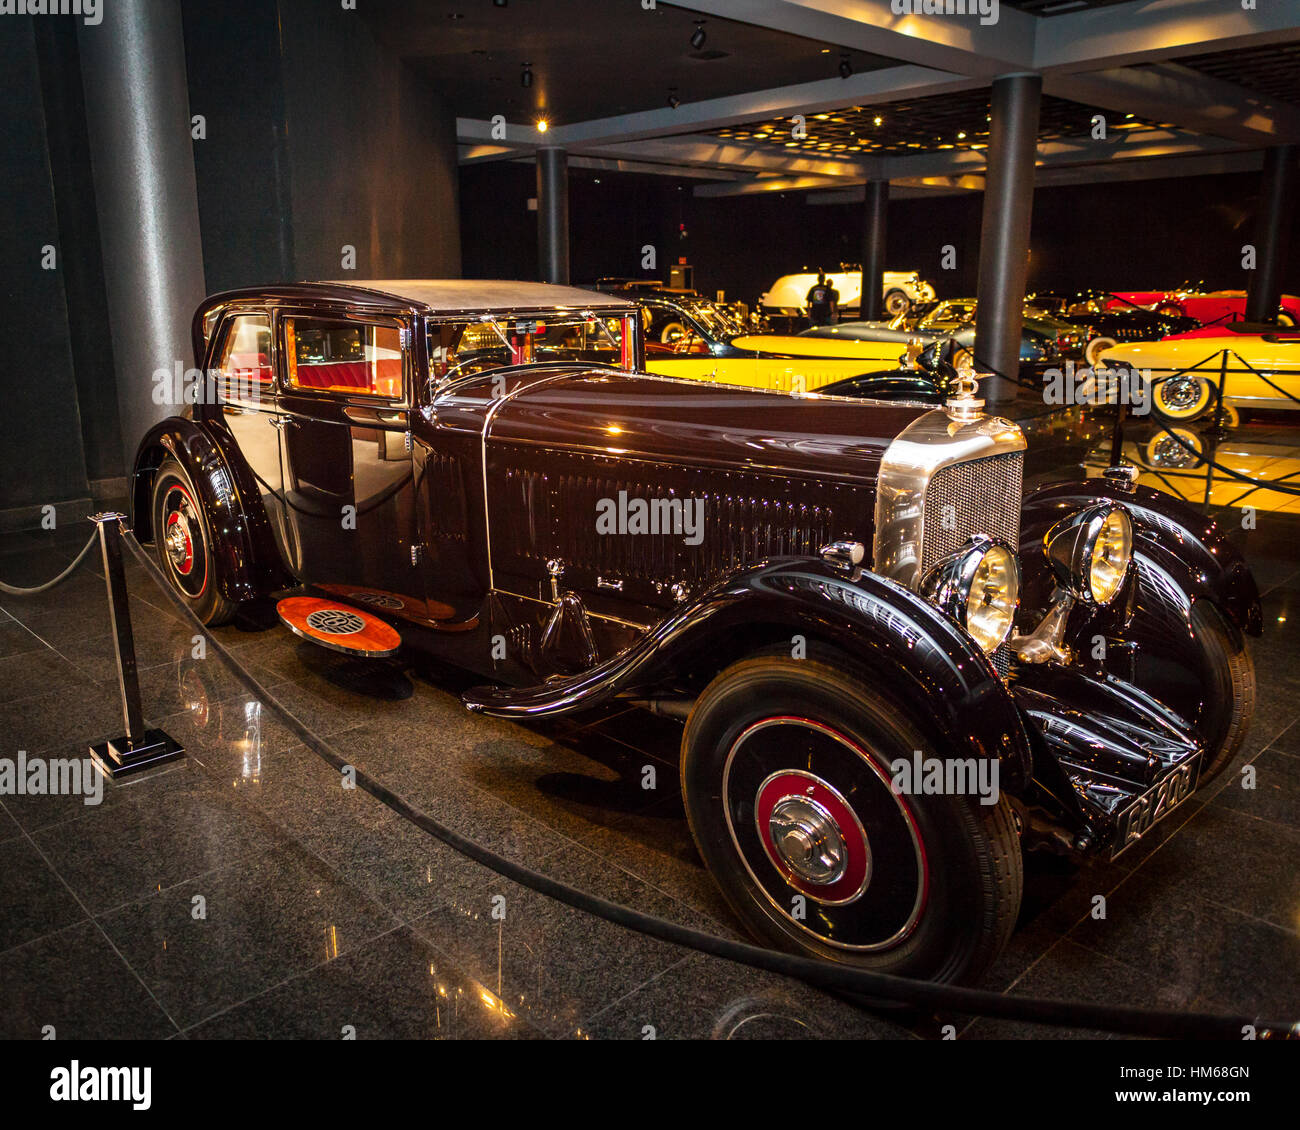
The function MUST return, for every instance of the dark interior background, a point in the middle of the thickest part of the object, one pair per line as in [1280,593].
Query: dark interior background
[1121,236]
[320,135]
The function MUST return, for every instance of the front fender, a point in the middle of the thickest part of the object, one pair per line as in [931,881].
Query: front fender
[248,563]
[915,656]
[1148,637]
[1184,544]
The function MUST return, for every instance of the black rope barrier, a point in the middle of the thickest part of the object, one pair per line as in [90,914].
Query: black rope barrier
[978,1002]
[1209,461]
[15,590]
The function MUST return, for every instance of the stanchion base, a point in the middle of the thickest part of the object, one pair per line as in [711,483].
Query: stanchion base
[118,757]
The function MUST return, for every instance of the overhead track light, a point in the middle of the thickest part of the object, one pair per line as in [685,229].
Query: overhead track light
[699,35]
[846,68]
[526,77]
[673,100]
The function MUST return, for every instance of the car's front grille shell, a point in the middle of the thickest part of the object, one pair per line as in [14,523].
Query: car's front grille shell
[979,496]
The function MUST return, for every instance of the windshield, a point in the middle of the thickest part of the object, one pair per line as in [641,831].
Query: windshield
[462,348]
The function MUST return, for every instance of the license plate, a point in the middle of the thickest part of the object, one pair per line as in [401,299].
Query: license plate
[1155,804]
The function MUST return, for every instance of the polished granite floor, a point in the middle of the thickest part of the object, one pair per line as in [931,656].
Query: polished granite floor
[243,893]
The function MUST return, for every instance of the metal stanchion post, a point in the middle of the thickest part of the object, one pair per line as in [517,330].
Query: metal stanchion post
[1223,392]
[139,747]
[1117,434]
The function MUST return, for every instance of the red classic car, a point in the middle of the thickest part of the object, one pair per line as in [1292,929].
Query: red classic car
[1205,306]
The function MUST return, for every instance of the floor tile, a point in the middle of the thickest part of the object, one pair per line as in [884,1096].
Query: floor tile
[397,987]
[76,985]
[266,918]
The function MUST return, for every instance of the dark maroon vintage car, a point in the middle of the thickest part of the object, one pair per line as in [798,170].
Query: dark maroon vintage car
[896,673]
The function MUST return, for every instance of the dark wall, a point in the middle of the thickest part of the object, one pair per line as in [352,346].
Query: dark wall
[1135,235]
[318,137]
[40,428]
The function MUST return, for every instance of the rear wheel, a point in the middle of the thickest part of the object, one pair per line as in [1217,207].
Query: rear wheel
[786,774]
[1096,347]
[1183,397]
[182,540]
[897,302]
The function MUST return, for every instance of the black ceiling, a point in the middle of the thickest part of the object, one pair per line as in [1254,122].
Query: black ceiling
[592,58]
[1059,7]
[1272,71]
[943,121]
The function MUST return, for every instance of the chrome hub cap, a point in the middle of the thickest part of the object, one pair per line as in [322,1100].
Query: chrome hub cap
[808,841]
[182,546]
[1181,393]
[179,544]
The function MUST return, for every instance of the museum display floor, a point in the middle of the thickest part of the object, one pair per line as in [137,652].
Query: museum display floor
[242,892]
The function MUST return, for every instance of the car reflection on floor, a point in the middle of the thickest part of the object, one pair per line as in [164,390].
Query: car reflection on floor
[1193,461]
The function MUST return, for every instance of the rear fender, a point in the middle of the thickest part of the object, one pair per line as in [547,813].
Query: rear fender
[915,656]
[248,562]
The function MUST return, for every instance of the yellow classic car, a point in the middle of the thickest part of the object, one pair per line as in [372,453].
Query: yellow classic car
[1256,370]
[691,337]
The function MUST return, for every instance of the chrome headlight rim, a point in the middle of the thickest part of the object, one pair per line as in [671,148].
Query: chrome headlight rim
[1072,547]
[949,584]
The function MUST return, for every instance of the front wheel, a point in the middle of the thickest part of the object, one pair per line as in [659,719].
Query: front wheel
[786,775]
[897,302]
[1230,700]
[182,540]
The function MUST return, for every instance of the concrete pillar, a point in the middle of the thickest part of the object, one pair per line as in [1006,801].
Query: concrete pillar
[138,119]
[553,215]
[874,233]
[1004,232]
[1273,232]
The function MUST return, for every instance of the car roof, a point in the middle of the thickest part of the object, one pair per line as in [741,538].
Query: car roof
[438,295]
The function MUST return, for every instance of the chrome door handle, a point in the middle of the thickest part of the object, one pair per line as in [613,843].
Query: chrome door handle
[283,422]
[360,414]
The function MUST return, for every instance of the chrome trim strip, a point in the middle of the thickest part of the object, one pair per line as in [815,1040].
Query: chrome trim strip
[487,427]
[926,446]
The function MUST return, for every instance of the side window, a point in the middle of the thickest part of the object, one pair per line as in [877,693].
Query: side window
[244,367]
[357,358]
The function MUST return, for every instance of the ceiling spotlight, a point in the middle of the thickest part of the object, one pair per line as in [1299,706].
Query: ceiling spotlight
[543,125]
[500,3]
[698,36]
[879,121]
[673,100]
[526,77]
[846,68]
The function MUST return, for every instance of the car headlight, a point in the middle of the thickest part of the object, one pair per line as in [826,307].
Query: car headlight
[1090,552]
[979,587]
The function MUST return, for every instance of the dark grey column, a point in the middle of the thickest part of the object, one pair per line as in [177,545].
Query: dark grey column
[1273,232]
[874,232]
[137,112]
[553,215]
[1004,233]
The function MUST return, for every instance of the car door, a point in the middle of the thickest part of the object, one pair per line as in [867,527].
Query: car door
[349,499]
[244,372]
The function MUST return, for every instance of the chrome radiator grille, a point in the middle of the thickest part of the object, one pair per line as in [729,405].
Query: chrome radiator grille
[979,496]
